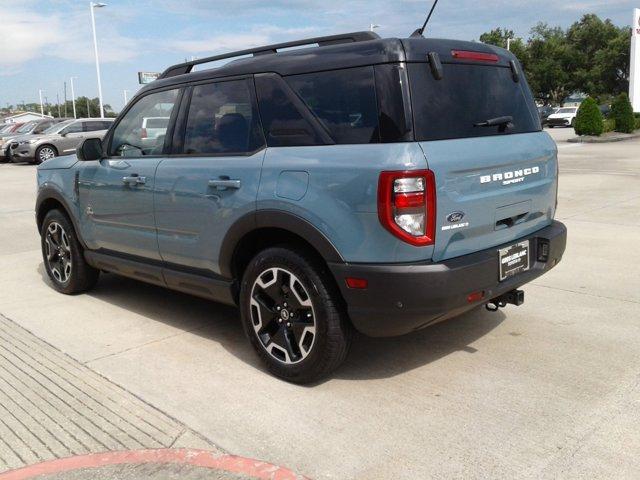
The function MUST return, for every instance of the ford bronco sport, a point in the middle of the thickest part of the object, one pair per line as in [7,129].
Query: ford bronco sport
[362,183]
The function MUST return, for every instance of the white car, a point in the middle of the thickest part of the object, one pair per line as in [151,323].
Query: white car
[564,117]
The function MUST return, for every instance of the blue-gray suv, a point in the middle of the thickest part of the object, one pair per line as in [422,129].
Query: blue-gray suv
[350,183]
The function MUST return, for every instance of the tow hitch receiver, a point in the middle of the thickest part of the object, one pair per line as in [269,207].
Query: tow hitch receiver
[514,297]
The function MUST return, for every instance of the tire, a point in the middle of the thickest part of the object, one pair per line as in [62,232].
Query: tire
[63,256]
[44,153]
[307,334]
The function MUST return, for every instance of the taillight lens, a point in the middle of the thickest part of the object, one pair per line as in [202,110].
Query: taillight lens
[407,205]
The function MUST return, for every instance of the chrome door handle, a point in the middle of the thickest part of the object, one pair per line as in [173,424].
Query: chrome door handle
[224,184]
[134,180]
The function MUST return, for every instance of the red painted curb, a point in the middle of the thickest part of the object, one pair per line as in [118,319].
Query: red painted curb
[196,458]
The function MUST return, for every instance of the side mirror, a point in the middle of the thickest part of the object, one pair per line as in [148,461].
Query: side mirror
[90,149]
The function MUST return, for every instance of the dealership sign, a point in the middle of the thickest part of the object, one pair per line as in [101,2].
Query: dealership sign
[147,77]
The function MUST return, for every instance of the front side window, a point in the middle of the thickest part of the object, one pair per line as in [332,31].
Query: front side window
[221,120]
[344,101]
[72,128]
[131,138]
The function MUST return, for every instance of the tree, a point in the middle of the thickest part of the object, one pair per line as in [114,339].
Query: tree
[589,119]
[622,114]
[499,38]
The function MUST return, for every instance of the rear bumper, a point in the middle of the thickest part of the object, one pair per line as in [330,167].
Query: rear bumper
[402,298]
[558,122]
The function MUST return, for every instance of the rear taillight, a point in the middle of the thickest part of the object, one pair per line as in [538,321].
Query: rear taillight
[475,56]
[143,133]
[407,205]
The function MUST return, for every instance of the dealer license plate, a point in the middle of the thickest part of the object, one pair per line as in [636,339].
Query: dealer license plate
[514,259]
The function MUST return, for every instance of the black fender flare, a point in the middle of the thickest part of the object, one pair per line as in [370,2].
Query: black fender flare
[51,193]
[274,219]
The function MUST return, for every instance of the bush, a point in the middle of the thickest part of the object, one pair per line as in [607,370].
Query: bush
[589,119]
[609,125]
[622,113]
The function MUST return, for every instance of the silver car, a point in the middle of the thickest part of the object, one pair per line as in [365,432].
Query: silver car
[35,127]
[60,139]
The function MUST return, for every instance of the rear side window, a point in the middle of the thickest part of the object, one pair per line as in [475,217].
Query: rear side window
[222,119]
[344,101]
[468,95]
[93,126]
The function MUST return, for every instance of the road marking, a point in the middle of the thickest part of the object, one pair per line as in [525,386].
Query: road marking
[570,145]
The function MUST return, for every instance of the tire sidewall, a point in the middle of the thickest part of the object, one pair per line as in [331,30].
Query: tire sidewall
[319,294]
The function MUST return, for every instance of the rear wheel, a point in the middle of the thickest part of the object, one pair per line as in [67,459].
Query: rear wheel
[44,153]
[63,256]
[293,315]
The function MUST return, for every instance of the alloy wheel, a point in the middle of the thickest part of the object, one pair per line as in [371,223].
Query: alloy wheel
[282,315]
[46,153]
[58,252]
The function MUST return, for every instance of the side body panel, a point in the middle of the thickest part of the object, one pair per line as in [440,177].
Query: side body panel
[193,215]
[335,189]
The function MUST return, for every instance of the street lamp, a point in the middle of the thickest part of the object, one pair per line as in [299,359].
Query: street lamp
[41,106]
[125,97]
[509,40]
[373,26]
[73,98]
[95,47]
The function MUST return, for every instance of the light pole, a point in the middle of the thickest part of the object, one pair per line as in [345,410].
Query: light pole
[73,98]
[125,97]
[41,106]
[509,40]
[95,47]
[373,26]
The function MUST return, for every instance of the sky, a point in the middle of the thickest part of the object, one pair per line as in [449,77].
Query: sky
[45,42]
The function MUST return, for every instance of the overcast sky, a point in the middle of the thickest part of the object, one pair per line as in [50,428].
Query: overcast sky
[44,42]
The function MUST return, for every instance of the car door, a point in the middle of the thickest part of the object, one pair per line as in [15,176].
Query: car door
[212,179]
[116,192]
[70,137]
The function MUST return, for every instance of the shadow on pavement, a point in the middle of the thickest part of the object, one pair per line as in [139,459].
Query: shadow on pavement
[370,358]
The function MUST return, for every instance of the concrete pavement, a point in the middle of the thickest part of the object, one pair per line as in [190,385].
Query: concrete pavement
[547,390]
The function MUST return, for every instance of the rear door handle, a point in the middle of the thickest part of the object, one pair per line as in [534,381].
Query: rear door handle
[224,184]
[134,180]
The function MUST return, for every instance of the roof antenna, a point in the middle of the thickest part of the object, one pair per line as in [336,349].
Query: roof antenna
[420,31]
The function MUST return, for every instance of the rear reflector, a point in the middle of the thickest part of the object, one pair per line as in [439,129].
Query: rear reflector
[357,283]
[475,56]
[475,297]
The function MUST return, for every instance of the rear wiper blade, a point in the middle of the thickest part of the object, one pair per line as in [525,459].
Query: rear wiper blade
[496,122]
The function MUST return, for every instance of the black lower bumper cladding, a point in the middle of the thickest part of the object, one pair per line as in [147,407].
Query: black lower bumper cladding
[402,298]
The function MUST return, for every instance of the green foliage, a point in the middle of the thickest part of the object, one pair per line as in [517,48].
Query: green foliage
[591,56]
[609,125]
[589,119]
[622,113]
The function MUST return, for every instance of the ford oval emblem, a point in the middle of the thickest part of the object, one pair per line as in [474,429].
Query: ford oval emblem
[455,217]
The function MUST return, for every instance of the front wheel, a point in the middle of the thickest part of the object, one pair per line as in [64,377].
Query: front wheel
[63,256]
[44,153]
[293,316]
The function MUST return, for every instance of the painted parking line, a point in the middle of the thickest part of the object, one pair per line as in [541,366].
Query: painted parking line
[194,458]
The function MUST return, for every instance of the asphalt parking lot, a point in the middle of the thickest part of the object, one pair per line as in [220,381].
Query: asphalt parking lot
[550,389]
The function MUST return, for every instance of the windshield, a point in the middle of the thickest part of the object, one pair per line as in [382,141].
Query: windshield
[469,101]
[57,127]
[26,128]
[567,110]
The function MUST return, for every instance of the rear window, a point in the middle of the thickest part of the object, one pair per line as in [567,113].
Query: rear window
[468,95]
[344,101]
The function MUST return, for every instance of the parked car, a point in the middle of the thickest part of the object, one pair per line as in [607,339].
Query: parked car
[310,189]
[60,139]
[564,117]
[35,127]
[9,129]
[544,113]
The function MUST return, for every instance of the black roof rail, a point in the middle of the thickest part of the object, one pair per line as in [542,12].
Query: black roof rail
[186,67]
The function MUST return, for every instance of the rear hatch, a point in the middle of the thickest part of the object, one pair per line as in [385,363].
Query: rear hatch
[477,123]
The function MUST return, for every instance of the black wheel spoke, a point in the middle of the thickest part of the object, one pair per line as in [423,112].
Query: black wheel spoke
[287,322]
